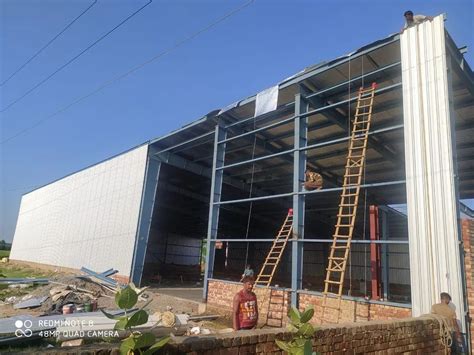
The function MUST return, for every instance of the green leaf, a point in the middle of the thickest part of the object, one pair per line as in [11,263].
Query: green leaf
[306,330]
[110,315]
[138,318]
[126,298]
[308,348]
[121,324]
[291,328]
[127,344]
[144,340]
[159,344]
[299,342]
[294,315]
[296,350]
[283,345]
[307,315]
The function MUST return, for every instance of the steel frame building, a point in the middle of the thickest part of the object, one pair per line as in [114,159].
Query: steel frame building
[254,154]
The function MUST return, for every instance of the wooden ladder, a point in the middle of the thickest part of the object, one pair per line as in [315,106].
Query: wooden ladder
[346,216]
[265,276]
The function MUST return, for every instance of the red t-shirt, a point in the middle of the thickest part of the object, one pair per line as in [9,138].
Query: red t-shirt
[248,314]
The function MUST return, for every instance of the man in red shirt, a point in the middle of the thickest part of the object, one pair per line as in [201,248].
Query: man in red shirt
[245,308]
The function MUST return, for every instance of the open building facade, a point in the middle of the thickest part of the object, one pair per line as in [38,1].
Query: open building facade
[210,197]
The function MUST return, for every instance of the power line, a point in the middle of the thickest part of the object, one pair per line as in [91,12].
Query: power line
[132,70]
[47,44]
[73,58]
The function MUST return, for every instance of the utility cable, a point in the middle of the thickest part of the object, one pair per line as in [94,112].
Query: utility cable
[48,44]
[73,58]
[130,71]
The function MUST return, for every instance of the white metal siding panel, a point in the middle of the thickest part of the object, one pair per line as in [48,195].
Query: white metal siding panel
[86,219]
[432,211]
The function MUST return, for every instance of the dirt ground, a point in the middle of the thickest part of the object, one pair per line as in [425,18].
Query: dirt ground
[163,299]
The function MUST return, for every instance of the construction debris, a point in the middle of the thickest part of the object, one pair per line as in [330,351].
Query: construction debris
[30,302]
[6,280]
[75,342]
[103,276]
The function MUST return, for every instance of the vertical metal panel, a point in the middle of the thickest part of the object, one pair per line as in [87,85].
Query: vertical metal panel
[216,189]
[146,214]
[300,141]
[85,219]
[430,177]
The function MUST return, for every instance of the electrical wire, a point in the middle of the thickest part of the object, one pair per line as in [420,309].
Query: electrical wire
[70,61]
[48,44]
[130,71]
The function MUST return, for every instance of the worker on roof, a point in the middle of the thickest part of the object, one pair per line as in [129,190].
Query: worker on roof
[245,308]
[412,20]
[444,309]
[313,181]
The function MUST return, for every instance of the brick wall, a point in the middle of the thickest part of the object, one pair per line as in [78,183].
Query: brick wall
[221,293]
[353,311]
[468,239]
[274,304]
[410,336]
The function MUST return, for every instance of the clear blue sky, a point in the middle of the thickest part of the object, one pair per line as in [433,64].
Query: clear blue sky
[263,44]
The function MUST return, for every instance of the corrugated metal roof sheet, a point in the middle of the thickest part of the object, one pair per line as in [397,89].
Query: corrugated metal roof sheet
[430,175]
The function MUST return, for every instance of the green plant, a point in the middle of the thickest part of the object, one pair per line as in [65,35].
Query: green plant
[302,333]
[125,299]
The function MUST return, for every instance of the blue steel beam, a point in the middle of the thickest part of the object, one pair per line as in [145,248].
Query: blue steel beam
[311,113]
[299,167]
[215,198]
[354,241]
[319,70]
[288,194]
[146,213]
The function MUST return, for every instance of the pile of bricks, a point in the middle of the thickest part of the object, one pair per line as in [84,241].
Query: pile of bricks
[413,335]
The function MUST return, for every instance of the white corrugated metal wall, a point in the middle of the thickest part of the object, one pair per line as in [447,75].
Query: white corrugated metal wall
[431,195]
[85,219]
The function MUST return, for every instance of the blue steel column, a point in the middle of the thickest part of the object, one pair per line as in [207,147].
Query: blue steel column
[299,167]
[384,255]
[146,214]
[216,189]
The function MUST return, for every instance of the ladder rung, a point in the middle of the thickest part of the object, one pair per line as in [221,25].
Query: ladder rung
[333,282]
[350,175]
[340,236]
[364,106]
[346,215]
[336,258]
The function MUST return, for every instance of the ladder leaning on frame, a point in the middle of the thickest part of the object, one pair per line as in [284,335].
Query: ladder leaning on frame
[346,216]
[270,265]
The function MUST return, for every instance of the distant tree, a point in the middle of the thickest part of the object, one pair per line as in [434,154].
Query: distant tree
[3,245]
